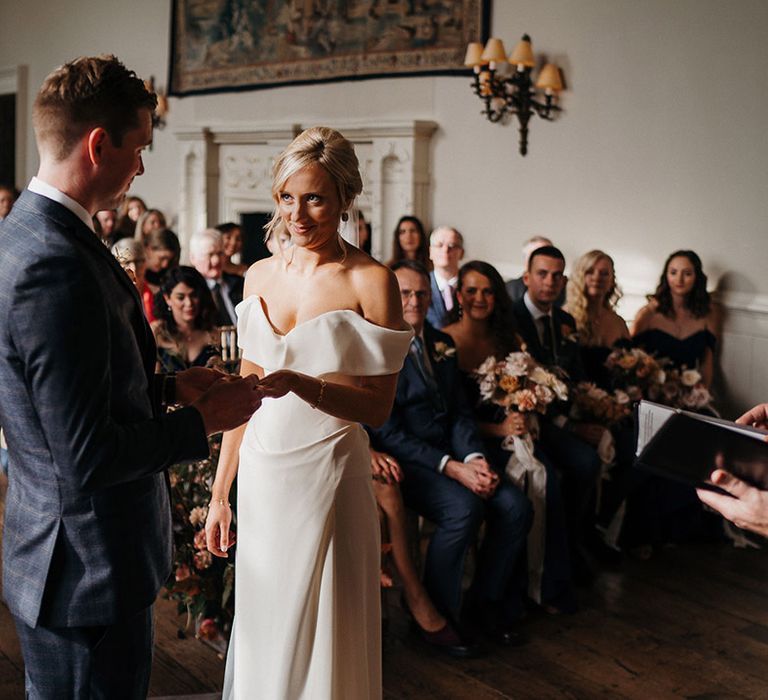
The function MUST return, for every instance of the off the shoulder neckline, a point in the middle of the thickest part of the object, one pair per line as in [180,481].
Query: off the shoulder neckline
[347,312]
[681,340]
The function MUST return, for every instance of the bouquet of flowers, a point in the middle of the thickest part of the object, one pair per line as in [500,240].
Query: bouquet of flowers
[201,583]
[636,372]
[519,383]
[593,404]
[683,388]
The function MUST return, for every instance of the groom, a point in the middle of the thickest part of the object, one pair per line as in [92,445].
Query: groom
[87,536]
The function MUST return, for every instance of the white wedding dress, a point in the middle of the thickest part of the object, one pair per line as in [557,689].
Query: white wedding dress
[307,601]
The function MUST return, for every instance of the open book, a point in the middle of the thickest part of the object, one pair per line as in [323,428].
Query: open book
[688,446]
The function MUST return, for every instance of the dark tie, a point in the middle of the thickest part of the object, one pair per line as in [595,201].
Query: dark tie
[548,338]
[417,353]
[222,315]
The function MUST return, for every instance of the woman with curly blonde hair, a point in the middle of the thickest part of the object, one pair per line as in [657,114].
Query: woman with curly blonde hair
[591,299]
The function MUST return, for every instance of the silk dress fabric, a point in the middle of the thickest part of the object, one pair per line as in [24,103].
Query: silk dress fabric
[307,608]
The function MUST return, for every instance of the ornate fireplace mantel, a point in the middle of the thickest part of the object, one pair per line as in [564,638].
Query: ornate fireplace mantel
[226,172]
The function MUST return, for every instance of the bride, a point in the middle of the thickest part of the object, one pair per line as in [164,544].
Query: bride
[321,325]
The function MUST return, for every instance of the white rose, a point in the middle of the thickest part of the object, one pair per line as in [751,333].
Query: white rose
[488,366]
[622,397]
[690,377]
[560,389]
[517,364]
[487,388]
[540,376]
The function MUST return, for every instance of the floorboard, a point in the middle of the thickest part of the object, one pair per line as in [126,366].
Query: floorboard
[690,623]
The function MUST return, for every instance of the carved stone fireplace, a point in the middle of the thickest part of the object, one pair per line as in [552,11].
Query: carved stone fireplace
[226,173]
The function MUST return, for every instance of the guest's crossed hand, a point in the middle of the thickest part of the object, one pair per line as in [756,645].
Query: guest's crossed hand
[385,468]
[476,475]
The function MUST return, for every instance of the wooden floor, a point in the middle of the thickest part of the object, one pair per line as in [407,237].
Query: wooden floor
[690,623]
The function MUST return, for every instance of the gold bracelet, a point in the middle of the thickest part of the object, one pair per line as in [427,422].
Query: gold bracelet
[320,395]
[220,502]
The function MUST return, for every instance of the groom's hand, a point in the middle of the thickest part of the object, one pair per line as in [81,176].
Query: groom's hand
[193,382]
[229,403]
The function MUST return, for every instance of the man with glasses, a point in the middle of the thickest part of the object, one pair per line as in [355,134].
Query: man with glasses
[446,250]
[432,434]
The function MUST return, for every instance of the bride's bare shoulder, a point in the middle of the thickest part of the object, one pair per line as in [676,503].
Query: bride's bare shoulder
[259,275]
[377,290]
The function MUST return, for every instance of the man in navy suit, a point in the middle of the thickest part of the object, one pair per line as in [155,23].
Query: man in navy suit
[516,287]
[550,336]
[446,250]
[87,535]
[432,434]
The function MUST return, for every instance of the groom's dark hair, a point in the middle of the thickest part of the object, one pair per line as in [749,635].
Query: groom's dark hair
[85,93]
[414,265]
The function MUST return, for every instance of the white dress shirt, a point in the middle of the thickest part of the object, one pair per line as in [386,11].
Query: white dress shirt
[37,186]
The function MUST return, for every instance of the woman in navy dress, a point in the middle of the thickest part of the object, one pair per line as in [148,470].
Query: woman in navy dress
[484,326]
[681,323]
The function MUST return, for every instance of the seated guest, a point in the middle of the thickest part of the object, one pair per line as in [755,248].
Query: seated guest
[7,198]
[410,242]
[185,325]
[516,287]
[446,249]
[150,220]
[433,627]
[127,216]
[591,300]
[433,436]
[206,253]
[550,337]
[162,251]
[363,233]
[278,242]
[680,322]
[104,222]
[232,242]
[484,326]
[130,254]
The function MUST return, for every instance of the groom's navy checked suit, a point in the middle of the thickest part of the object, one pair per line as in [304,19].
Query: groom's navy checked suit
[428,421]
[87,535]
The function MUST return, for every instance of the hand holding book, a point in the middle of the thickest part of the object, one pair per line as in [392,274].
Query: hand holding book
[746,506]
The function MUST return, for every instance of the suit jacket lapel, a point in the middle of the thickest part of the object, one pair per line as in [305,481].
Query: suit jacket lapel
[437,296]
[528,329]
[87,239]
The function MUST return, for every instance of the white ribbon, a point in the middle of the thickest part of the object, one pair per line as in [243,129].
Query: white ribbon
[530,475]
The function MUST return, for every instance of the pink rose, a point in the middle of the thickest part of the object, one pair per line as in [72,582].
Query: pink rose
[199,540]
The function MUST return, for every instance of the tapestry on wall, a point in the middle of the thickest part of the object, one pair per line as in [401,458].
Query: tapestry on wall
[245,44]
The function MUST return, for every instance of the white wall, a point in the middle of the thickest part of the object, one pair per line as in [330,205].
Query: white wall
[661,144]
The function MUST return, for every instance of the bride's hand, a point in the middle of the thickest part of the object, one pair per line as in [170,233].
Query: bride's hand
[218,536]
[278,384]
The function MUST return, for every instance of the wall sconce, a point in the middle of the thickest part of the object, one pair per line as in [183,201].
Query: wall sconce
[161,111]
[515,94]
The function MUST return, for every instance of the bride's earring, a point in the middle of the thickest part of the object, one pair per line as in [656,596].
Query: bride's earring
[344,217]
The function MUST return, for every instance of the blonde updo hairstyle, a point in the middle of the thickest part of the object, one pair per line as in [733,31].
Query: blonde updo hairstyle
[326,147]
[577,304]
